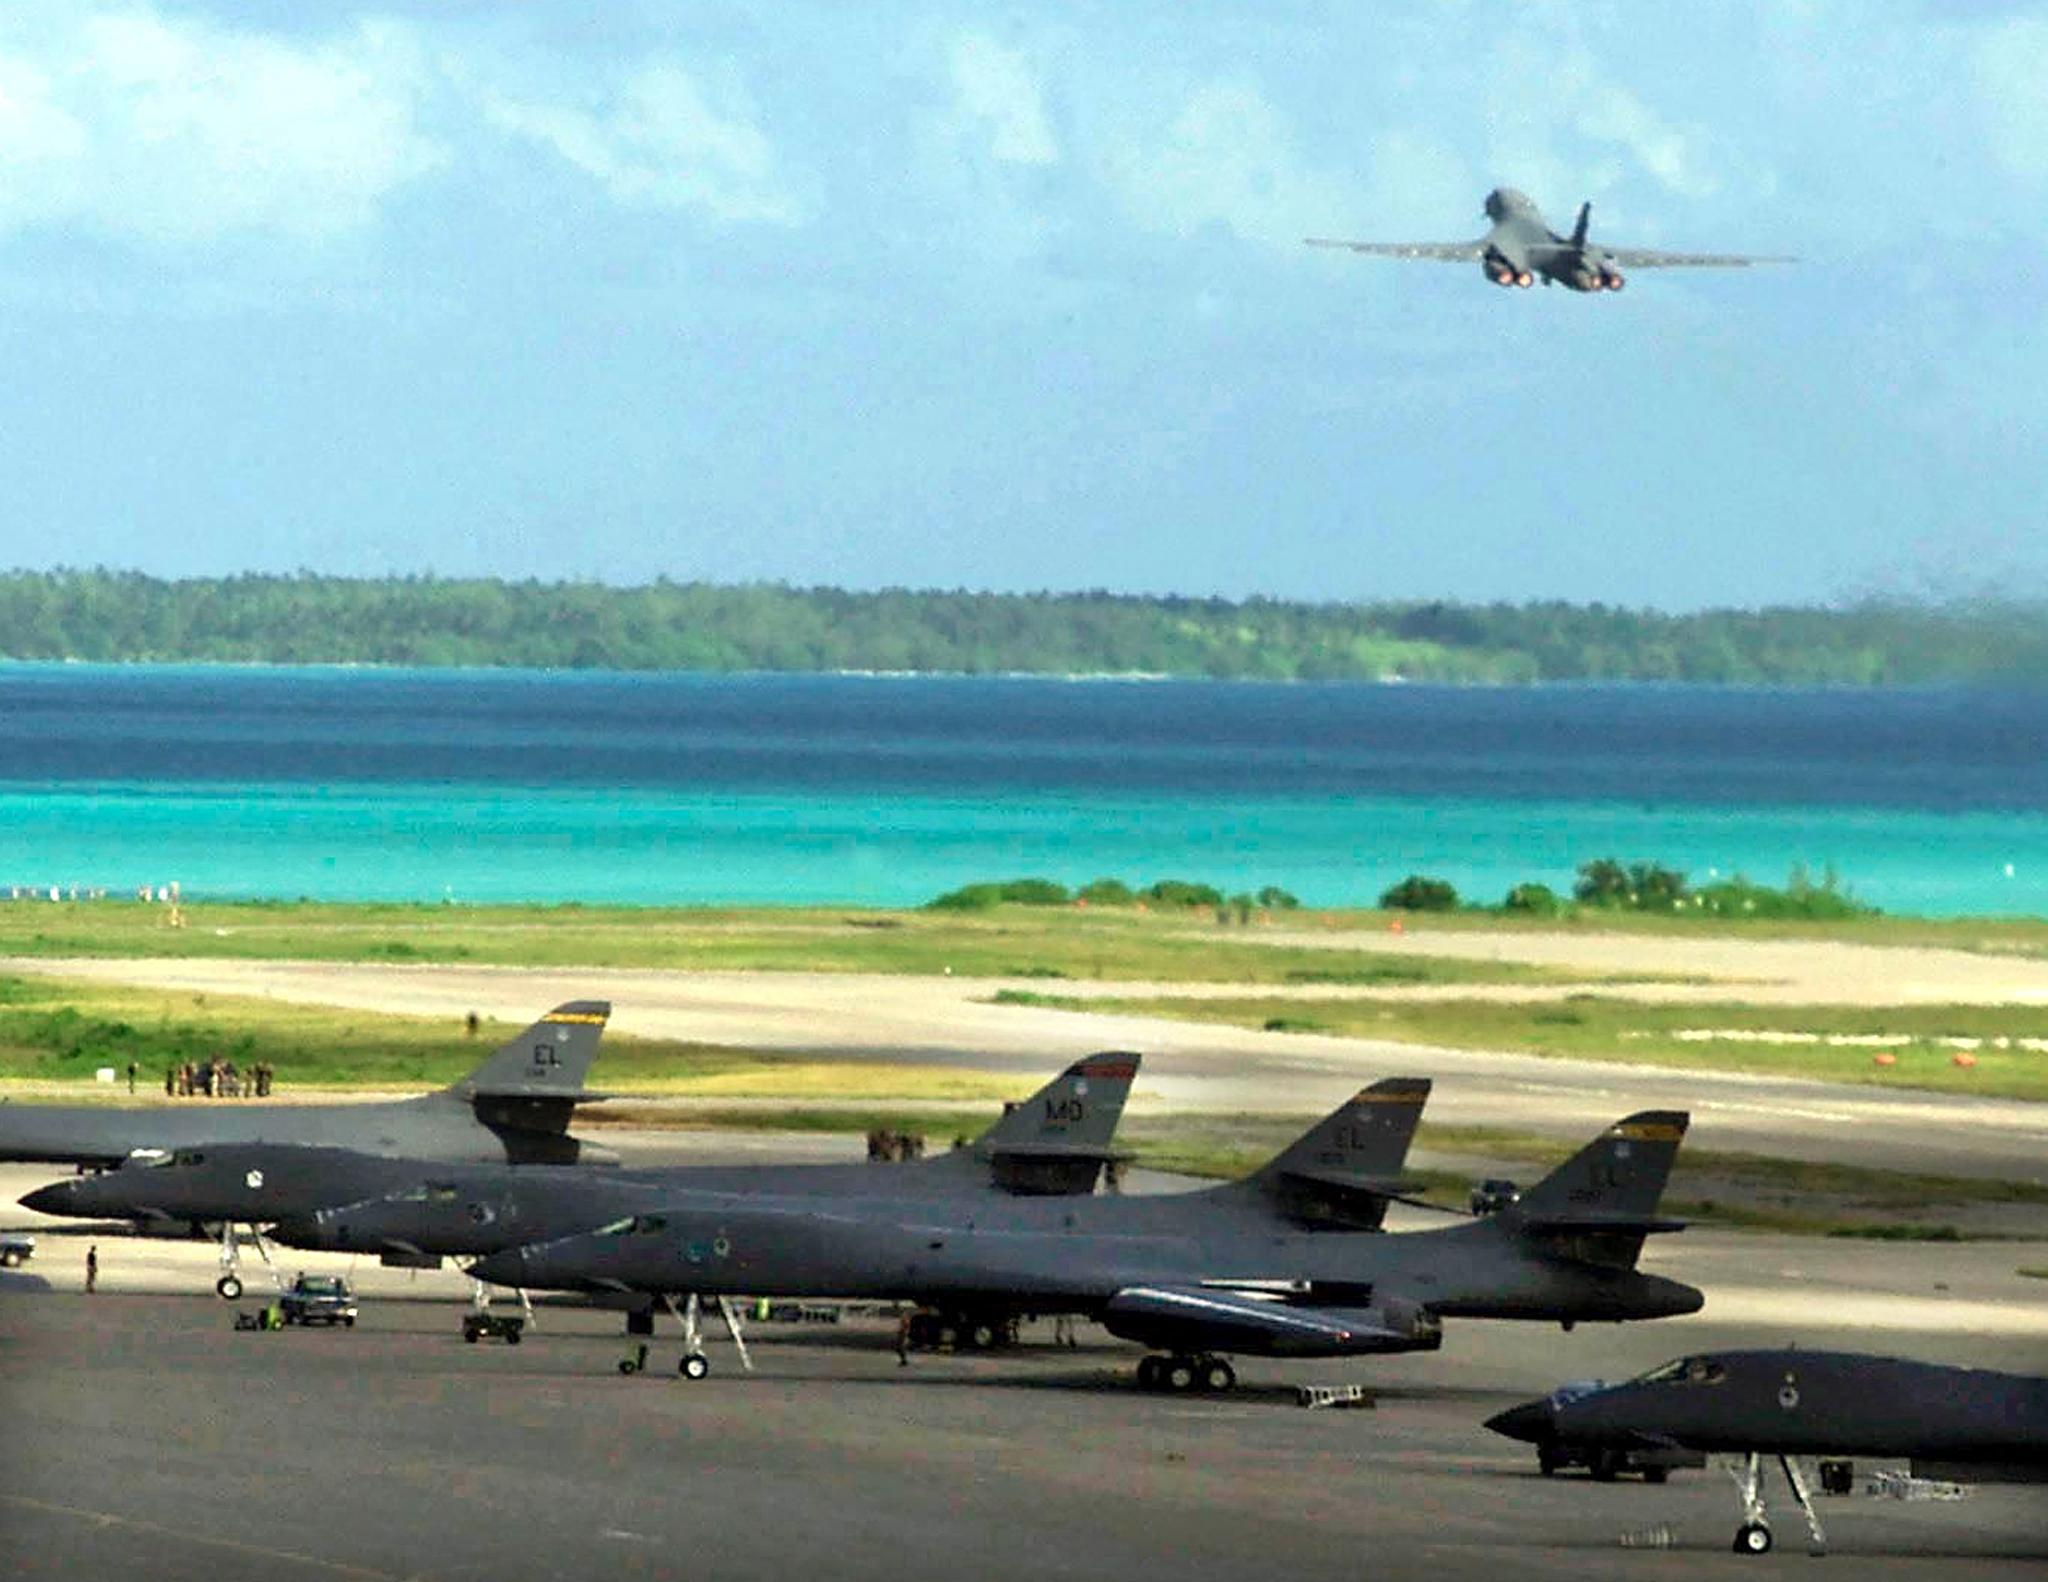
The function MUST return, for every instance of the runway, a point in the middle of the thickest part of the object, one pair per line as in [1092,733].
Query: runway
[1188,1066]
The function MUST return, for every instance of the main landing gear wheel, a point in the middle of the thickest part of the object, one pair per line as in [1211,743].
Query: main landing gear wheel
[1752,1538]
[228,1287]
[1179,1375]
[1218,1376]
[695,1366]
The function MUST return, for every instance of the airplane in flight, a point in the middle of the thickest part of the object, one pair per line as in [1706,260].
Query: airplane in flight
[1968,1425]
[1521,249]
[1196,1275]
[412,1211]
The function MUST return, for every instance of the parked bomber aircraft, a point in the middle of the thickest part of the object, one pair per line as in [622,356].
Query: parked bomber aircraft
[1964,1424]
[1521,248]
[515,1108]
[1341,1172]
[415,1210]
[1230,1269]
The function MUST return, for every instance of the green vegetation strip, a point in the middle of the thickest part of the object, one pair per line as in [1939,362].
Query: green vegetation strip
[1011,942]
[304,618]
[1589,1027]
[53,1031]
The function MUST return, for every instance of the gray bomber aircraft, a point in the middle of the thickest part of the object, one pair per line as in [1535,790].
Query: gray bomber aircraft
[514,1108]
[1521,249]
[1964,1424]
[412,1211]
[1237,1268]
[1341,1172]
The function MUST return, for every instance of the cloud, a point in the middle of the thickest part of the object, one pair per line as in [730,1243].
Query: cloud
[1228,158]
[2010,62]
[661,142]
[996,89]
[175,131]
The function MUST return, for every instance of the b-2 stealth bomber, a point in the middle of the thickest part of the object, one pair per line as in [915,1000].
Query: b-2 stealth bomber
[1521,249]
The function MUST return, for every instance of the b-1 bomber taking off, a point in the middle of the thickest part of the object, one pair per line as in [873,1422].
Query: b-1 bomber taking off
[1521,249]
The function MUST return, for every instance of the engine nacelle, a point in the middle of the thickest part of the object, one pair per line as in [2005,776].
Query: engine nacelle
[1503,270]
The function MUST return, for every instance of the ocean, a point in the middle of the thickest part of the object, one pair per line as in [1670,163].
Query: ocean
[386,784]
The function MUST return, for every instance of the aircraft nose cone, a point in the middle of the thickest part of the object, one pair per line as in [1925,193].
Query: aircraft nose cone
[502,1268]
[56,1198]
[1532,1422]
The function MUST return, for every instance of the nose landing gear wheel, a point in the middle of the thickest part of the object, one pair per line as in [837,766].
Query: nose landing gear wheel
[1752,1538]
[228,1287]
[695,1366]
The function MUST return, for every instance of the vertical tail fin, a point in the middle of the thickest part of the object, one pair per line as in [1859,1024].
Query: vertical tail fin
[1603,1200]
[1585,220]
[1343,1170]
[1058,1140]
[546,1063]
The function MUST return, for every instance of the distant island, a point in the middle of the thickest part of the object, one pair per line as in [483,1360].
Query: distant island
[115,616]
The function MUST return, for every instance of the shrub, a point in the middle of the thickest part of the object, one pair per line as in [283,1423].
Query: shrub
[1275,899]
[1020,892]
[1420,893]
[1536,900]
[1107,892]
[1641,886]
[1180,892]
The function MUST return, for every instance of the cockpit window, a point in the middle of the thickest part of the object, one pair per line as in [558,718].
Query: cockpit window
[1686,1370]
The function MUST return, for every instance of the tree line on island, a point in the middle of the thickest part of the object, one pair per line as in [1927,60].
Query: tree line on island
[1605,884]
[119,616]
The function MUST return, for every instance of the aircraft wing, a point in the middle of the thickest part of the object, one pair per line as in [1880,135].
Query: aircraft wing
[1437,252]
[1650,258]
[1197,1317]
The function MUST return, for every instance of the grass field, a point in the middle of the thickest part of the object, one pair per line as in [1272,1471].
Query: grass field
[1781,1040]
[1010,941]
[53,1031]
[1026,942]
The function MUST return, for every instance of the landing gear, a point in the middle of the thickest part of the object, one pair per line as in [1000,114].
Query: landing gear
[1753,1537]
[229,1286]
[1182,1374]
[933,1330]
[694,1364]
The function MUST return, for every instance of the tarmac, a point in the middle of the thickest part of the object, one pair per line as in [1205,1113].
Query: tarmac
[146,1437]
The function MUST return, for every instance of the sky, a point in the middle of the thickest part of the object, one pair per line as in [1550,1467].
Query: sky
[1015,297]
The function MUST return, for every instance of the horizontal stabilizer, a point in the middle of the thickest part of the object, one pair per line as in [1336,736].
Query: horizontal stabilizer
[1562,1224]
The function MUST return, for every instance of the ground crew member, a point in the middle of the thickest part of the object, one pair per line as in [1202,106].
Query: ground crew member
[903,1338]
[92,1269]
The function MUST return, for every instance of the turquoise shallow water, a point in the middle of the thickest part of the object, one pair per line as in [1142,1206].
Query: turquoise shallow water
[493,786]
[430,842]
